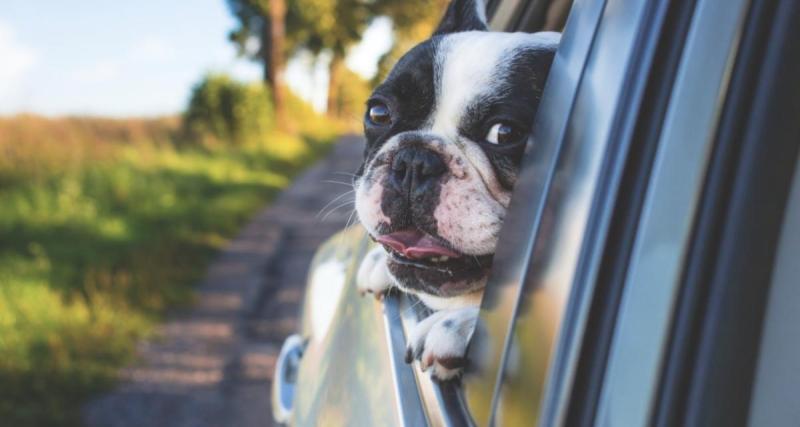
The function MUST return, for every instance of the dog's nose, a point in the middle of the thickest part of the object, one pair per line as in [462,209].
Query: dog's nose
[416,169]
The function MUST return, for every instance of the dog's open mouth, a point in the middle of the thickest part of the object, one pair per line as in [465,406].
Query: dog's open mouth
[414,245]
[429,262]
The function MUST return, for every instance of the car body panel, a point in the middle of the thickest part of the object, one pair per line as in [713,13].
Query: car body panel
[345,375]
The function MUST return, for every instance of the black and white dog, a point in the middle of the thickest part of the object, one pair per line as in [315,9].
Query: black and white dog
[445,136]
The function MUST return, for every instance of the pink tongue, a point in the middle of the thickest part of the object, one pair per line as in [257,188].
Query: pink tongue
[415,244]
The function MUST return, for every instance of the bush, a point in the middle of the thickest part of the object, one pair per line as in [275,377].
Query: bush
[224,111]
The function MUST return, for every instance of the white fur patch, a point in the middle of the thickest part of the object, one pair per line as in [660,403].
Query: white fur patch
[468,65]
[373,275]
[451,303]
[368,202]
[442,335]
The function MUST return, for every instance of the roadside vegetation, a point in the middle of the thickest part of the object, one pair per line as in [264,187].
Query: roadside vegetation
[106,223]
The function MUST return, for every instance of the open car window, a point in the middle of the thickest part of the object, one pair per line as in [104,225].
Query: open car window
[570,177]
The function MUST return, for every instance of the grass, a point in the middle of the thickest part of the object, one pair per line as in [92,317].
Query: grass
[104,224]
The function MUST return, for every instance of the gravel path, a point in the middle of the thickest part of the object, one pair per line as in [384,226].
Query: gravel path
[212,365]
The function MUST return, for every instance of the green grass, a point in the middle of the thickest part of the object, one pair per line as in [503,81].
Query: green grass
[93,250]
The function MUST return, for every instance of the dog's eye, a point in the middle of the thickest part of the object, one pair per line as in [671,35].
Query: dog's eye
[379,114]
[502,133]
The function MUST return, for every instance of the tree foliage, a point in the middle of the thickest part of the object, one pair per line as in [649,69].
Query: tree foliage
[225,110]
[315,25]
[413,21]
[333,26]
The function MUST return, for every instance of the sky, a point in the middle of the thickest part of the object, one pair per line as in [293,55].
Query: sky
[136,58]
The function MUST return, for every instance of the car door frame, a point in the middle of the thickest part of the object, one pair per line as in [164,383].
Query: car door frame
[578,372]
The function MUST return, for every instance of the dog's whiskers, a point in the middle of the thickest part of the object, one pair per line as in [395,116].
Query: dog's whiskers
[333,201]
[331,211]
[349,219]
[340,240]
[349,184]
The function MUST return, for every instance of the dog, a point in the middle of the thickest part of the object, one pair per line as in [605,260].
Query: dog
[445,133]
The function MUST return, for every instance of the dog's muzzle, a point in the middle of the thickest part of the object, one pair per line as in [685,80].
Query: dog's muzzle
[415,170]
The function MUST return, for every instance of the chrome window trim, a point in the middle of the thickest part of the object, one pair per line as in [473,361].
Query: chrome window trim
[630,385]
[409,404]
[441,402]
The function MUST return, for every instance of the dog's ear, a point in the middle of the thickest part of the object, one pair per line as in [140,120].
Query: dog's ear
[463,15]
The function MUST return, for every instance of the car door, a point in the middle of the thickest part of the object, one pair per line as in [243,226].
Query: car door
[683,238]
[637,140]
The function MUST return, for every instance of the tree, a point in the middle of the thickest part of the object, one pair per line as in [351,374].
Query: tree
[333,26]
[413,21]
[265,21]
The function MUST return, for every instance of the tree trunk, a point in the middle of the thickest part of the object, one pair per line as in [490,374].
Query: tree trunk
[276,65]
[334,80]
[265,51]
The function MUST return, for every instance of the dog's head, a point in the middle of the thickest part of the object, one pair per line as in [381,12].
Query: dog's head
[445,135]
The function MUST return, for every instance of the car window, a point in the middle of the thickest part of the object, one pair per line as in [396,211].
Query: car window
[544,190]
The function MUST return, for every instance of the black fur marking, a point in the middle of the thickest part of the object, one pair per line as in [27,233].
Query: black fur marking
[410,210]
[409,93]
[462,15]
[412,205]
[451,278]
[524,77]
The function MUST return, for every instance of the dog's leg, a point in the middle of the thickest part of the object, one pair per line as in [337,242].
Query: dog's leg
[373,277]
[440,341]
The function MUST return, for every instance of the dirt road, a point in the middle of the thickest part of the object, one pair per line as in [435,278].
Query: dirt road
[212,364]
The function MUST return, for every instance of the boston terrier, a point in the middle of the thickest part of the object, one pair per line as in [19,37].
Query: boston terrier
[445,135]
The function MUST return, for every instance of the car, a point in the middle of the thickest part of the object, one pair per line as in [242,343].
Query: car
[647,270]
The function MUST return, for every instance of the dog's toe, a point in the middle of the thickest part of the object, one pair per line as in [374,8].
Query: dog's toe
[440,342]
[373,277]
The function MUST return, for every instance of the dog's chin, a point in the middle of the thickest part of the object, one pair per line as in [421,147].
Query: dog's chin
[445,277]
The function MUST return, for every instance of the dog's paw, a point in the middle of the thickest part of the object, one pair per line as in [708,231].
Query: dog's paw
[440,342]
[373,276]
